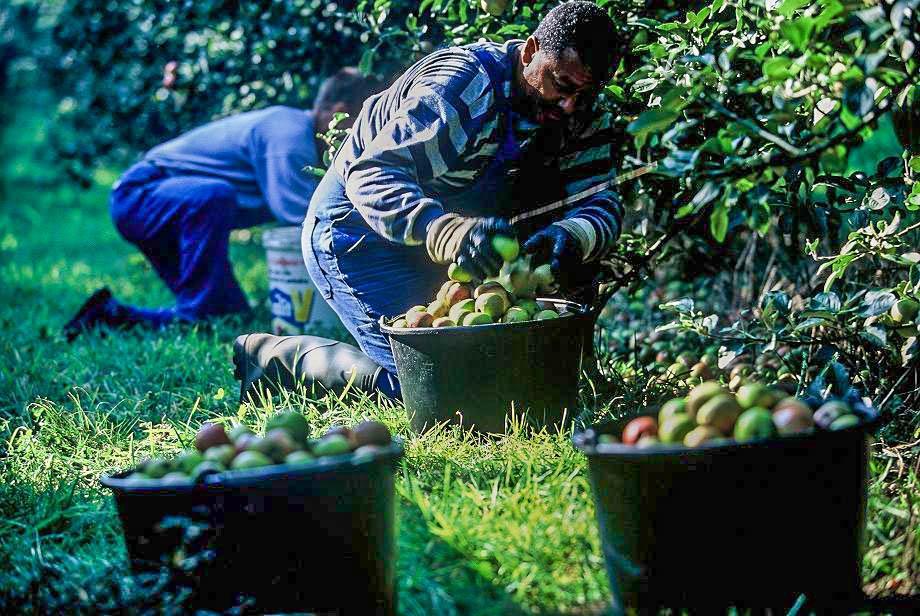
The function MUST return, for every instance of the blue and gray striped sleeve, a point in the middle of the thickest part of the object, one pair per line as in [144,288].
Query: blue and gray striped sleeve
[422,138]
[598,220]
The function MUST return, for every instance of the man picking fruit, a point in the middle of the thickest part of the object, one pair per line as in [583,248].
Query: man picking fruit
[433,170]
[180,202]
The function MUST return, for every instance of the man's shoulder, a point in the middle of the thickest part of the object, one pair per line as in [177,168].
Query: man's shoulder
[458,69]
[280,121]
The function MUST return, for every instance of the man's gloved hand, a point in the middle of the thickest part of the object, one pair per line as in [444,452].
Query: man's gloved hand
[559,248]
[452,238]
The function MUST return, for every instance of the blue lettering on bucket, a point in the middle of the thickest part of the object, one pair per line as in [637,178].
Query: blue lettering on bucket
[282,306]
[295,309]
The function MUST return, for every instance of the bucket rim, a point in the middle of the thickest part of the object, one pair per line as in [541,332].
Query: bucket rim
[581,311]
[323,465]
[869,414]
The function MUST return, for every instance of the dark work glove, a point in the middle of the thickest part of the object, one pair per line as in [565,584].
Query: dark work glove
[452,238]
[556,246]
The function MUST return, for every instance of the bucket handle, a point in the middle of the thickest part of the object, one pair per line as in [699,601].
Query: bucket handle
[575,306]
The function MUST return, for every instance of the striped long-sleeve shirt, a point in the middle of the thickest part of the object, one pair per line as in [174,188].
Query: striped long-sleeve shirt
[431,134]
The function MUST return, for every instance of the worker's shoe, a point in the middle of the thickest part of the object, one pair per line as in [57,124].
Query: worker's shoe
[100,309]
[267,363]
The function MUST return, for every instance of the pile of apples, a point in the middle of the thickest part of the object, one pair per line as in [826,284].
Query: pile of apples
[712,414]
[286,441]
[508,297]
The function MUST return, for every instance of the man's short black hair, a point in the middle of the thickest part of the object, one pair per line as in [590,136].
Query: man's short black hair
[586,28]
[347,86]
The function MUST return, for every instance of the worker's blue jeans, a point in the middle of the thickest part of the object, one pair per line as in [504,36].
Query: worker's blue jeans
[360,274]
[182,225]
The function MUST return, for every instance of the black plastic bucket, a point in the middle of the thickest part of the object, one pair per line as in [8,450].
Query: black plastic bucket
[146,511]
[317,537]
[473,375]
[752,524]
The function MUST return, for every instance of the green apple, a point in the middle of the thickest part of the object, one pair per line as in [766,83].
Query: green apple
[458,274]
[188,460]
[156,468]
[477,318]
[492,304]
[515,315]
[544,315]
[676,406]
[294,423]
[754,394]
[250,459]
[676,428]
[461,308]
[754,423]
[237,431]
[543,276]
[529,305]
[299,457]
[700,435]
[221,454]
[904,310]
[700,395]
[507,247]
[332,445]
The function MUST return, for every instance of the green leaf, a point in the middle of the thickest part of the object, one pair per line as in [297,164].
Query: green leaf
[798,32]
[811,322]
[718,222]
[788,7]
[914,165]
[673,99]
[645,85]
[876,335]
[651,121]
[616,92]
[777,68]
[875,303]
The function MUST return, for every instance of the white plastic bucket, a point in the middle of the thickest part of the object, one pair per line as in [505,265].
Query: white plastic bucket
[296,306]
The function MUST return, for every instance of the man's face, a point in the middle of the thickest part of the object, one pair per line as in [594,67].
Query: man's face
[554,85]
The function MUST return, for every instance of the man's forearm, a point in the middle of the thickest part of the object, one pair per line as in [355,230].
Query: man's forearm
[391,202]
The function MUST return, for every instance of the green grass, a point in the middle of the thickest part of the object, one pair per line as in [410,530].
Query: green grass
[503,526]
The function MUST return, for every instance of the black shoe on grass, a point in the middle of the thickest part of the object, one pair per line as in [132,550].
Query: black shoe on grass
[94,311]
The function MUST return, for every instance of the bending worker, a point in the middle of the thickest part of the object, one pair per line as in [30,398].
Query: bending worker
[434,167]
[179,204]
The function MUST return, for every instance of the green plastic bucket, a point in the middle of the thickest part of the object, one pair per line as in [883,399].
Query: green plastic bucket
[475,376]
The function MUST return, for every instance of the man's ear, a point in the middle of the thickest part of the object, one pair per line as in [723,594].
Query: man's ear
[531,47]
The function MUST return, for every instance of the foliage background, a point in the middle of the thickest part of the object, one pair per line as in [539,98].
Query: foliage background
[784,207]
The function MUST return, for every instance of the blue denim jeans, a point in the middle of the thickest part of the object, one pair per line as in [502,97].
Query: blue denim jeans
[182,225]
[360,274]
